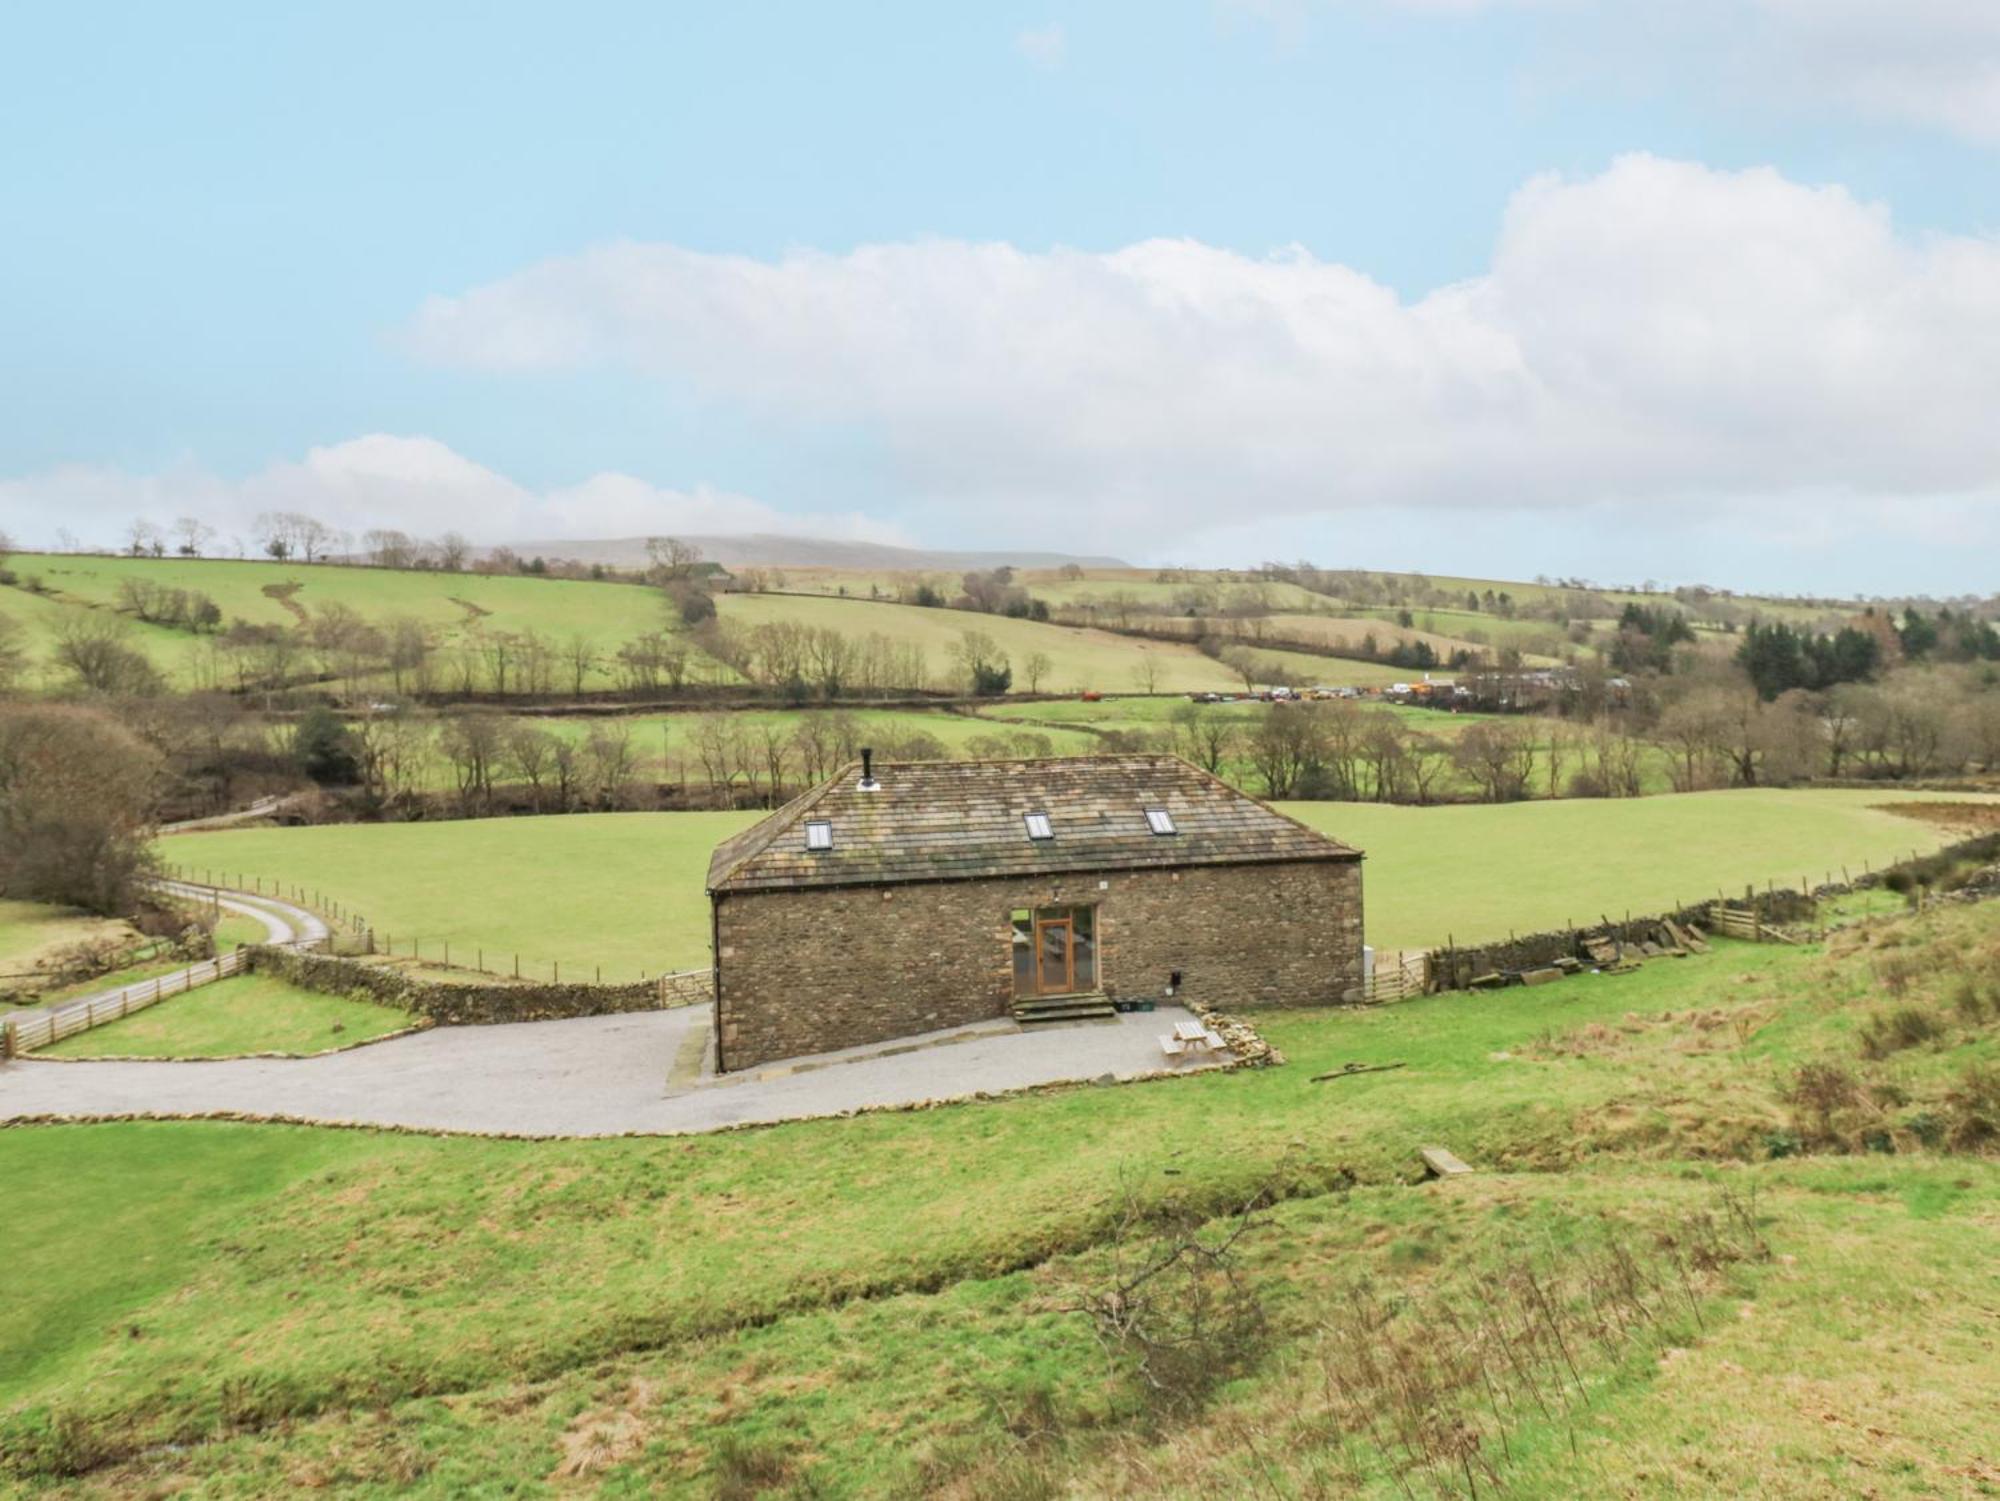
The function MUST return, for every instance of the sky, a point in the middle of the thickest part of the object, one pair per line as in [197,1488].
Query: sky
[1578,288]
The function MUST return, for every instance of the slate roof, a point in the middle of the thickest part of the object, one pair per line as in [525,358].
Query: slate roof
[959,820]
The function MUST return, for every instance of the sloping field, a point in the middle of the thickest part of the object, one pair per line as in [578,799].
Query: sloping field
[624,890]
[455,606]
[1082,658]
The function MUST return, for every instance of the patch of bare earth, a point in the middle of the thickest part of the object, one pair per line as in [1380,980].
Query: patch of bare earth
[1970,818]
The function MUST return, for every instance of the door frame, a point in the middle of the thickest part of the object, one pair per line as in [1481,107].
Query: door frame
[1067,922]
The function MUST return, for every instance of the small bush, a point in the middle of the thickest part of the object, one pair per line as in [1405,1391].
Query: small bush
[743,1469]
[1891,1032]
[1974,1103]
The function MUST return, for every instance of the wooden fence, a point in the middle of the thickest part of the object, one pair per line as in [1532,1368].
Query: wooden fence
[1400,978]
[25,1034]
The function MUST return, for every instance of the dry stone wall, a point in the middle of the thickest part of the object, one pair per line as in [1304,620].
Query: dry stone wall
[455,1005]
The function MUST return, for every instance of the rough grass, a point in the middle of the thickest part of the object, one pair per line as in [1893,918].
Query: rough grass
[247,1014]
[30,930]
[625,891]
[875,1306]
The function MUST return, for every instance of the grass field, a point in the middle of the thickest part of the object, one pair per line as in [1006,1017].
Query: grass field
[878,1306]
[1082,658]
[624,891]
[248,1014]
[454,605]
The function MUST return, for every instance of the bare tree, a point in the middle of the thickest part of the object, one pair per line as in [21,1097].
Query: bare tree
[671,558]
[580,654]
[1498,756]
[144,540]
[1243,662]
[195,534]
[452,551]
[94,648]
[1146,672]
[473,743]
[1035,668]
[1205,736]
[608,761]
[531,754]
[387,548]
[77,789]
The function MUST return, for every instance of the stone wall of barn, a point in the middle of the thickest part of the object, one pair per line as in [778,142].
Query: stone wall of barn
[809,970]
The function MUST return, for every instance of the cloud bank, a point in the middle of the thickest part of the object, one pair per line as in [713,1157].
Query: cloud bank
[412,484]
[1658,336]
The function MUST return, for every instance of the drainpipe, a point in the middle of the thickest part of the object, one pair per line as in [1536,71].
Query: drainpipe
[715,970]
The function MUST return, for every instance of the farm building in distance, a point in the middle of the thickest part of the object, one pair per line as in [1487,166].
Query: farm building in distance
[906,898]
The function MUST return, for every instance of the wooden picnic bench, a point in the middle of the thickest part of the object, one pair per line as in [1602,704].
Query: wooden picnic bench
[1187,1037]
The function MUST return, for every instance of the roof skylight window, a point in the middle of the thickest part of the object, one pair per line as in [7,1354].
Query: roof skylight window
[819,834]
[1160,821]
[1038,826]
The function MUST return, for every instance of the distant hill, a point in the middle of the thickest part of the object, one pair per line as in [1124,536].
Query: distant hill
[772,550]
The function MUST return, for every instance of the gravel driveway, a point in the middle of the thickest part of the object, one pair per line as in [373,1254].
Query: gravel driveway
[592,1076]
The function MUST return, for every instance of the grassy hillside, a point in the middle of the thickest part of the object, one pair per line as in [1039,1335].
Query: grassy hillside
[1082,658]
[456,607]
[625,890]
[887,1306]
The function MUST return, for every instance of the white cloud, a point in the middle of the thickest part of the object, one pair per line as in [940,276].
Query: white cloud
[1044,46]
[414,484]
[1934,63]
[1657,336]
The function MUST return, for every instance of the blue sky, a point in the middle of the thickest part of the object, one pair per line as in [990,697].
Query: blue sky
[592,269]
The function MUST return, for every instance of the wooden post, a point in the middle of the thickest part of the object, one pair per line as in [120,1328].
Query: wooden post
[555,971]
[447,953]
[517,966]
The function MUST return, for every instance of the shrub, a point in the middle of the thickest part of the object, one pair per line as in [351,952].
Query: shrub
[1891,1032]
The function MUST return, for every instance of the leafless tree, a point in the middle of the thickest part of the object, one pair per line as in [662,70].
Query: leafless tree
[145,540]
[1035,668]
[1146,672]
[608,759]
[531,754]
[1204,735]
[1497,756]
[580,655]
[388,548]
[671,558]
[94,648]
[195,534]
[77,789]
[473,743]
[452,551]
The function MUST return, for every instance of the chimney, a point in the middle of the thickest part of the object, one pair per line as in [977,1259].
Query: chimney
[868,782]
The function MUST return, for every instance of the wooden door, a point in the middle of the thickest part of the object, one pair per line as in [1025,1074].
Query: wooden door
[1055,955]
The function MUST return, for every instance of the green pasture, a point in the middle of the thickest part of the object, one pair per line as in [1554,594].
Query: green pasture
[624,891]
[883,1305]
[457,607]
[247,1014]
[1081,658]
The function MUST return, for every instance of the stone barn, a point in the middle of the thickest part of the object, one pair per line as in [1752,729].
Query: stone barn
[905,898]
